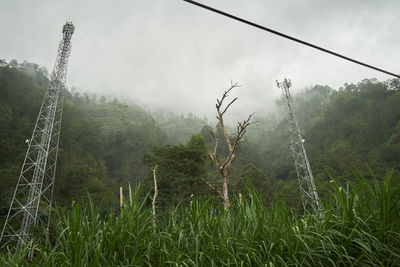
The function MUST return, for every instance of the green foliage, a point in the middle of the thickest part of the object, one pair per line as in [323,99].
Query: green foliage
[105,144]
[250,174]
[343,130]
[179,129]
[180,168]
[357,227]
[101,142]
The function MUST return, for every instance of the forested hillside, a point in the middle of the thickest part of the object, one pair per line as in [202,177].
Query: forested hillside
[344,131]
[106,143]
[101,143]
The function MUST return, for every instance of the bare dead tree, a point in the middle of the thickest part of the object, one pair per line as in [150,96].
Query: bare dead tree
[153,203]
[224,167]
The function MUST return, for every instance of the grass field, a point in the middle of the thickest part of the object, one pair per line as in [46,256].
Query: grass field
[359,226]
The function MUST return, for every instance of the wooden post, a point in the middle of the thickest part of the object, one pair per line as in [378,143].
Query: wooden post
[240,199]
[121,197]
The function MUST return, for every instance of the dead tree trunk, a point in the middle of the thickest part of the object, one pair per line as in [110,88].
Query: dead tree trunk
[153,203]
[225,166]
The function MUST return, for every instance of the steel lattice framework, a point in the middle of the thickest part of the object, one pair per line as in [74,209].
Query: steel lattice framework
[31,203]
[308,191]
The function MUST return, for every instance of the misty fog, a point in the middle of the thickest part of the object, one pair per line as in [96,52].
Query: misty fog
[172,55]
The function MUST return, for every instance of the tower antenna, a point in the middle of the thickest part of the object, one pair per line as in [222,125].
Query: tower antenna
[308,191]
[31,202]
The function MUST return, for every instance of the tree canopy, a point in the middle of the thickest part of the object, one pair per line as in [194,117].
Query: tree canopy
[106,143]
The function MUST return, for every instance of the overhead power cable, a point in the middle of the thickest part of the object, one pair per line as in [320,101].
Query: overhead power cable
[291,38]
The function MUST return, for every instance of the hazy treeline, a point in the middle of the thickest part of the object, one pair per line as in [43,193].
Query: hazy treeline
[106,143]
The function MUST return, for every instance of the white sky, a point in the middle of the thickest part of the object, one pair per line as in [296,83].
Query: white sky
[170,54]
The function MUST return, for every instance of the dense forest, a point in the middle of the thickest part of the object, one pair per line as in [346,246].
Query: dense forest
[106,143]
[352,136]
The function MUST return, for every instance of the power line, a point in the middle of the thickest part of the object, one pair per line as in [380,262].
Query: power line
[291,38]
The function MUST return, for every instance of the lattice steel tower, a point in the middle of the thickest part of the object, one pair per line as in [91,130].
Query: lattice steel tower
[308,191]
[31,203]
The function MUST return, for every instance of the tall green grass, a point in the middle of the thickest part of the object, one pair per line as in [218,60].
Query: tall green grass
[360,226]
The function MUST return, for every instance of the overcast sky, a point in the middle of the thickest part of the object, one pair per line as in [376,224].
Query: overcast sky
[170,54]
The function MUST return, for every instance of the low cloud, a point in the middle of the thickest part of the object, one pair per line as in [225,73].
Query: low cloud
[170,54]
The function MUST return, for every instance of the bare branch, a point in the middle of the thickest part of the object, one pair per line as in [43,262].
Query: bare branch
[223,112]
[212,187]
[213,135]
[227,140]
[215,159]
[224,169]
[233,85]
[225,95]
[213,155]
[227,163]
[241,130]
[220,114]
